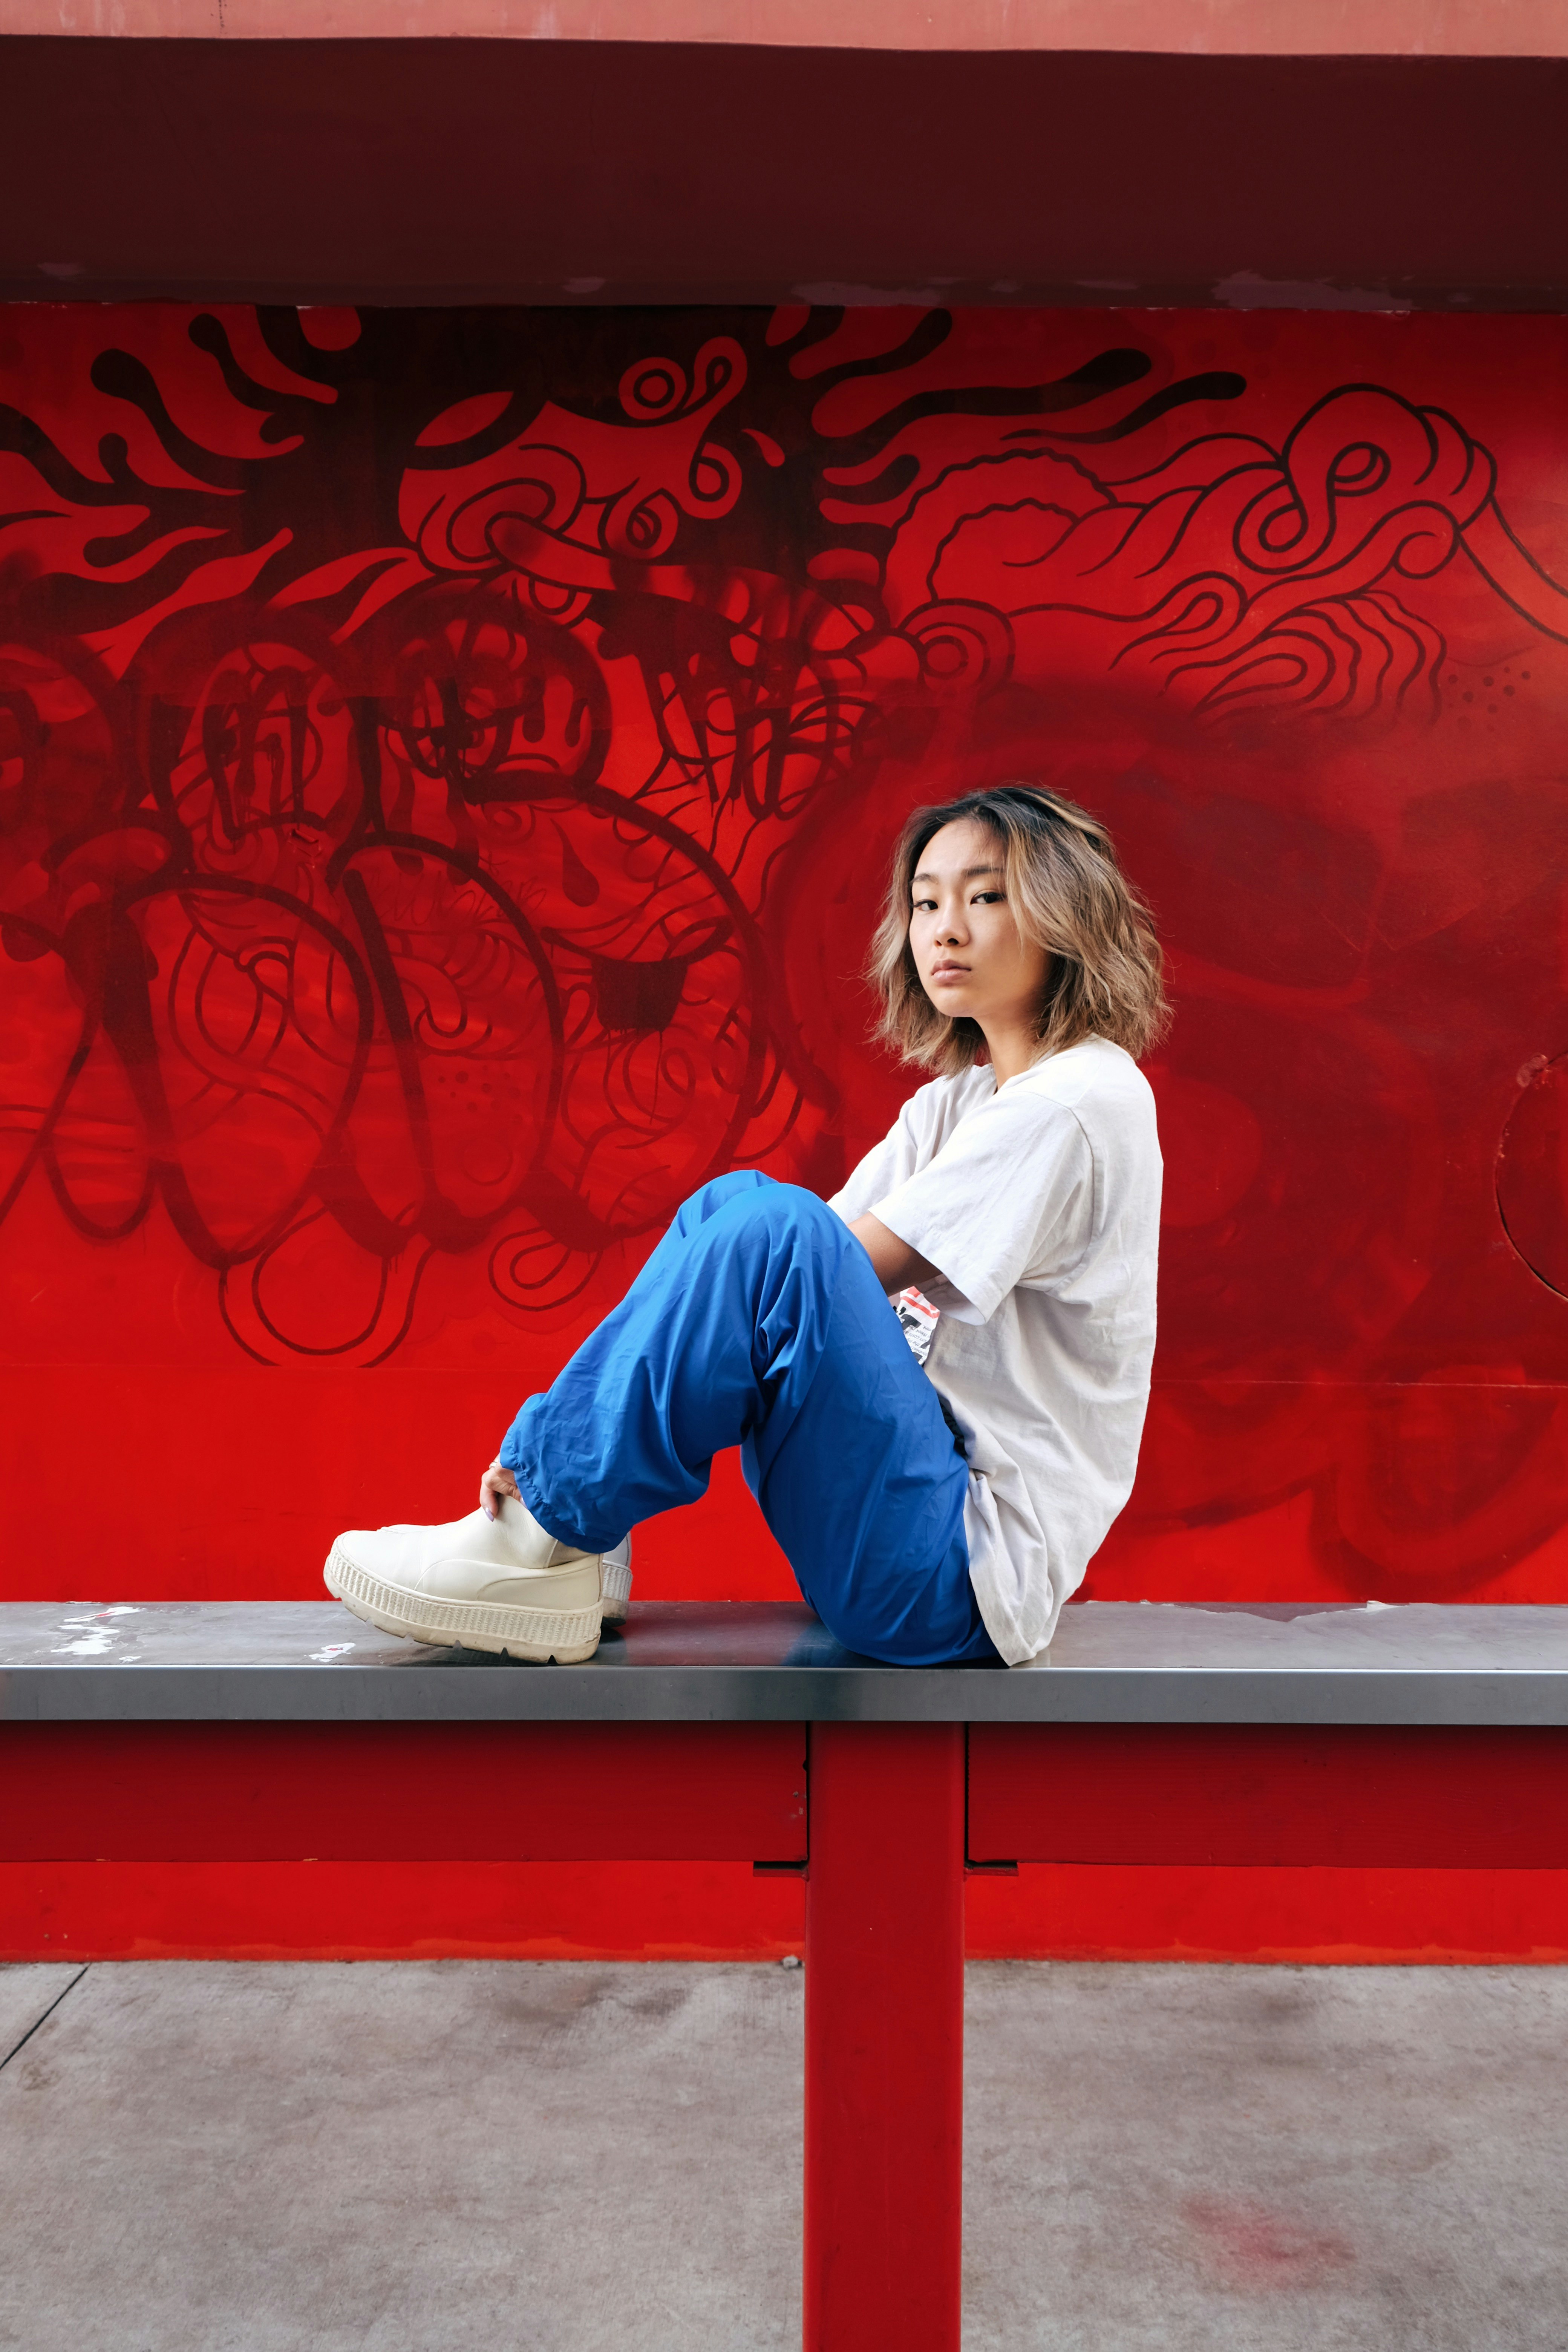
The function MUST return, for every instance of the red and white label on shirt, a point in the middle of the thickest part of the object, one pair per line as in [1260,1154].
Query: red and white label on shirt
[920,1319]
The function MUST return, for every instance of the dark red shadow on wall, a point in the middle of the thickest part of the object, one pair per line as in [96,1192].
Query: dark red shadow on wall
[443,169]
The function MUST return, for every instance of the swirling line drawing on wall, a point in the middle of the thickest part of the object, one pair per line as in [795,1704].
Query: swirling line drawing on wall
[445,759]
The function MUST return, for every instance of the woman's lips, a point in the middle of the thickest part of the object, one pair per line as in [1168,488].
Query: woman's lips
[950,971]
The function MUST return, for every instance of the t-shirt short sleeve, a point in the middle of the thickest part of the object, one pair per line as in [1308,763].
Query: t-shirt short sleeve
[1008,1199]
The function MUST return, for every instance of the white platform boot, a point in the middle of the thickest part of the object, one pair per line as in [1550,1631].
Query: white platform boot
[502,1584]
[616,1581]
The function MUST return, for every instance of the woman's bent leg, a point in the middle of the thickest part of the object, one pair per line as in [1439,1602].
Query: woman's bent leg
[758,1321]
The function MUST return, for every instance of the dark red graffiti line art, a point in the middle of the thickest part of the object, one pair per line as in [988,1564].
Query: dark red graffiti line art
[446,763]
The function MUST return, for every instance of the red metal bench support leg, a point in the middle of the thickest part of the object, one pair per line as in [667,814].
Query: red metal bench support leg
[884,2038]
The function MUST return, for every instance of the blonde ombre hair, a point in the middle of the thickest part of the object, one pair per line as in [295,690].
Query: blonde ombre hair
[1067,893]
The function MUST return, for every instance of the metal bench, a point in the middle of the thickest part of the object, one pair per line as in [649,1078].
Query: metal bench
[1431,1737]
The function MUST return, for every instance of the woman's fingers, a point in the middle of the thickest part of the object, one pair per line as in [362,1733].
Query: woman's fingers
[497,1485]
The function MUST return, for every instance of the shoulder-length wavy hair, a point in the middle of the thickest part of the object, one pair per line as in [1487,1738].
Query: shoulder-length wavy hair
[1067,893]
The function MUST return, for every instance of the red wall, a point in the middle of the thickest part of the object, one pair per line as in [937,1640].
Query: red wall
[446,763]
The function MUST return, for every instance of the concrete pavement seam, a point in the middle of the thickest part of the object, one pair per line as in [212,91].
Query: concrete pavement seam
[46,2016]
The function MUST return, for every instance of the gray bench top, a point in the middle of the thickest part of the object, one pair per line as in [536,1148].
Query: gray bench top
[1111,1661]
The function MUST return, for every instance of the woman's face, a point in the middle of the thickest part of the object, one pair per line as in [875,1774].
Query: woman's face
[972,961]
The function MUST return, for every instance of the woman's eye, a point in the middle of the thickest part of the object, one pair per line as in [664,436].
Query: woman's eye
[989,897]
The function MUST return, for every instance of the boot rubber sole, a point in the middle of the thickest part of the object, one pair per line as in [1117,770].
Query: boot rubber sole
[568,1637]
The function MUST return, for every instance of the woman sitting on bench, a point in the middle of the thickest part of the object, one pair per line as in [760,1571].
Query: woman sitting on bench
[938,1477]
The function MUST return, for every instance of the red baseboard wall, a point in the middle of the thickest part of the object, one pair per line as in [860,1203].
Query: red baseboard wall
[1314,1916]
[720,1911]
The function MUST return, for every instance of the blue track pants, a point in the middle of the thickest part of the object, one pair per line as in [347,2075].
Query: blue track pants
[759,1322]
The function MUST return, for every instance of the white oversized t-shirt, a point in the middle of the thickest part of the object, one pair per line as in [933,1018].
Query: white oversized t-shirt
[1038,1202]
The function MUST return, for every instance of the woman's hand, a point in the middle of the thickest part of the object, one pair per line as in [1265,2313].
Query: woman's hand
[497,1485]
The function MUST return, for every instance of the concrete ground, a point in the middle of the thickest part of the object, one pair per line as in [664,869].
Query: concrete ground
[439,2156]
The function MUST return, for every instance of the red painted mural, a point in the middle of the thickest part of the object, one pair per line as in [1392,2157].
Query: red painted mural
[446,761]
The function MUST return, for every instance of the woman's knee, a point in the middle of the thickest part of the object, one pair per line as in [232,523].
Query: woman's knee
[781,1210]
[750,1198]
[716,1194]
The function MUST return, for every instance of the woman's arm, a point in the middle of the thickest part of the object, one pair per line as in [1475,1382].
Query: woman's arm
[896,1264]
